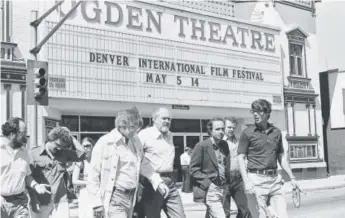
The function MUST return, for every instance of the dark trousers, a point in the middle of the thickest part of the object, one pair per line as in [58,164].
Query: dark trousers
[15,206]
[186,180]
[154,202]
[236,191]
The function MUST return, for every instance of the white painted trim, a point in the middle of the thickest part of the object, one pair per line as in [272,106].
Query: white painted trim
[308,165]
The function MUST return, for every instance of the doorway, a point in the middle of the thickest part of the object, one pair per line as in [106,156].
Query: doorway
[181,141]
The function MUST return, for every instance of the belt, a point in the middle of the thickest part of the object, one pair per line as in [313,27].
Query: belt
[124,191]
[166,174]
[269,172]
[14,197]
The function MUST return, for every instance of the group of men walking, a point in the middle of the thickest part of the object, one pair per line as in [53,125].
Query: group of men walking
[221,167]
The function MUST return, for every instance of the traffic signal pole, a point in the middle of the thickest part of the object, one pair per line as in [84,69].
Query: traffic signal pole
[34,37]
[36,47]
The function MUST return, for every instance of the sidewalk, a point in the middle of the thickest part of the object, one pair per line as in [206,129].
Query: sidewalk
[332,182]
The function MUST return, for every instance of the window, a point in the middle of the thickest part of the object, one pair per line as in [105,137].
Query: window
[296,61]
[303,151]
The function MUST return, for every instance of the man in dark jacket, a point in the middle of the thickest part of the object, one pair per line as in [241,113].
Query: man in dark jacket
[210,167]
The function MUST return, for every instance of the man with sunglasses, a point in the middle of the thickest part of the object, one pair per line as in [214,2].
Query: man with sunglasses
[261,144]
[49,166]
[15,170]
[117,161]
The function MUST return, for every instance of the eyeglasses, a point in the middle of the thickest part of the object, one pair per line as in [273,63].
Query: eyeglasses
[257,111]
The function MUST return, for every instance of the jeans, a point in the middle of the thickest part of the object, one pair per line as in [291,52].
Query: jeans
[154,202]
[121,204]
[214,202]
[268,191]
[60,210]
[236,191]
[15,206]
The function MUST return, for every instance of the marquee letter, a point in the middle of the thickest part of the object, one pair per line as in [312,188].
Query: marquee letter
[134,17]
[177,17]
[269,42]
[214,32]
[242,30]
[201,29]
[230,33]
[97,17]
[256,39]
[119,11]
[156,23]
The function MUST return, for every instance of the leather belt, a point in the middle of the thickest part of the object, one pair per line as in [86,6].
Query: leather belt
[14,197]
[166,174]
[124,191]
[269,172]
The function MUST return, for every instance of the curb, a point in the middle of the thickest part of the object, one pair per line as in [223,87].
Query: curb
[319,188]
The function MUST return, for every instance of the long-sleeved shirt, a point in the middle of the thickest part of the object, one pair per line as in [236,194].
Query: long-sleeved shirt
[51,170]
[158,148]
[14,168]
[104,168]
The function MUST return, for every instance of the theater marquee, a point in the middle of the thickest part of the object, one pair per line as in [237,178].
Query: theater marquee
[136,52]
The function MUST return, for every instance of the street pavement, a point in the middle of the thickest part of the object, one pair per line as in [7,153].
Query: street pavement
[322,198]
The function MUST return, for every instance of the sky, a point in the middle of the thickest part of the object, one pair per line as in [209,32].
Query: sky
[330,30]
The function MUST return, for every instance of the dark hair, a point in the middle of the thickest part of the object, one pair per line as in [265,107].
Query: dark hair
[209,125]
[63,134]
[89,140]
[231,119]
[263,105]
[11,126]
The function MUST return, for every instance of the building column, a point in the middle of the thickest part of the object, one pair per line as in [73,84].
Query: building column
[293,119]
[8,88]
[286,110]
[315,125]
[23,90]
[309,120]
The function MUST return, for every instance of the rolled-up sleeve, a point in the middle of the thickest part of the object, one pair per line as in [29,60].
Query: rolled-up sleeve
[146,169]
[94,177]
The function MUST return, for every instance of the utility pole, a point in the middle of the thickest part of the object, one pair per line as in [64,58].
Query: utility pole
[36,47]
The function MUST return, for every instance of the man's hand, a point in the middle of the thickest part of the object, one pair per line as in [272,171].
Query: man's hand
[249,187]
[163,189]
[42,189]
[98,212]
[294,183]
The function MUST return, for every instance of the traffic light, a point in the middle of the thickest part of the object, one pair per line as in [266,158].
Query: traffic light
[37,83]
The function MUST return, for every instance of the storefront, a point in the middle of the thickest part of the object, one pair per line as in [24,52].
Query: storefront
[113,55]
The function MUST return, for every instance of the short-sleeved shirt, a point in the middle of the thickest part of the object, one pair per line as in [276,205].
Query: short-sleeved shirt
[48,170]
[262,147]
[14,168]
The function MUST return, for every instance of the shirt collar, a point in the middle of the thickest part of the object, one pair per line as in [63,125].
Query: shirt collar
[118,136]
[231,139]
[270,127]
[156,133]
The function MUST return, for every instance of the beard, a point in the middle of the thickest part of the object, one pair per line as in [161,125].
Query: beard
[18,142]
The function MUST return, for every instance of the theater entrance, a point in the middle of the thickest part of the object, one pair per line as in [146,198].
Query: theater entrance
[182,140]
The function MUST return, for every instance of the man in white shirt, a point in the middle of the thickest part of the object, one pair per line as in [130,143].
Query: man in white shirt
[235,189]
[116,162]
[160,152]
[185,161]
